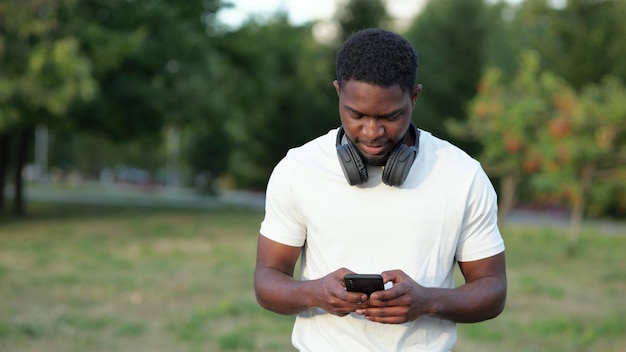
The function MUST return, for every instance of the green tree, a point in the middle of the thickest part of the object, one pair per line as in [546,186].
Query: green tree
[580,42]
[158,71]
[281,95]
[360,14]
[44,71]
[449,37]
[153,63]
[125,69]
[502,44]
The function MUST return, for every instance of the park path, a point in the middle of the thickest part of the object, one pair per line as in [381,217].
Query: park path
[141,197]
[125,195]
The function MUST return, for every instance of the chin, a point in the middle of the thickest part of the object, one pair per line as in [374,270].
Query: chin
[377,161]
[373,160]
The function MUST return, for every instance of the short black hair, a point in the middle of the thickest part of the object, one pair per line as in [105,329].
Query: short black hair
[379,57]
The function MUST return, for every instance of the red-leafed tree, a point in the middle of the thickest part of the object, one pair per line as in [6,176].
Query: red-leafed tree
[569,146]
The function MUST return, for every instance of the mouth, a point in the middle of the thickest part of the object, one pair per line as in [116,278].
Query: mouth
[374,150]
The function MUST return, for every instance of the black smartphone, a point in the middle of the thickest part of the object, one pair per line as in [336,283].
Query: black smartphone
[364,283]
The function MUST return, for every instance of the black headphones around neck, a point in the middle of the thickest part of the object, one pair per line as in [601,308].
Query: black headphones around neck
[396,169]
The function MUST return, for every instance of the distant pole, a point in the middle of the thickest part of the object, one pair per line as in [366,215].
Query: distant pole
[172,138]
[41,152]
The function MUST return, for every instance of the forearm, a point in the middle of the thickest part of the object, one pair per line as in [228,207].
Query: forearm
[280,293]
[472,302]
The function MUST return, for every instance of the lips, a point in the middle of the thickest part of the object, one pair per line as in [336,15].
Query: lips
[372,149]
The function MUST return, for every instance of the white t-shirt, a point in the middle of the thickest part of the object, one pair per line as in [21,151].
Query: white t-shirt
[446,211]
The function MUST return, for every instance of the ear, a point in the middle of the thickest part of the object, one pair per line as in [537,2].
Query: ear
[336,84]
[416,92]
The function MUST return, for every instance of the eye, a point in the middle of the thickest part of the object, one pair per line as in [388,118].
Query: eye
[356,116]
[393,117]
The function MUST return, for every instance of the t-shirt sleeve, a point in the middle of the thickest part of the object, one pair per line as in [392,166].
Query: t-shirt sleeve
[283,222]
[480,237]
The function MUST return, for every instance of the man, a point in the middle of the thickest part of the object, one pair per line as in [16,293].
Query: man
[379,196]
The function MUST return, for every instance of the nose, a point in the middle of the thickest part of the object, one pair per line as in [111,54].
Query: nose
[372,129]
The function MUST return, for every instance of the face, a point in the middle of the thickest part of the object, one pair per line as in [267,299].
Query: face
[375,119]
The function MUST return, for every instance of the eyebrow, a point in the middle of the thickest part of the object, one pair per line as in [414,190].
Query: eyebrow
[383,116]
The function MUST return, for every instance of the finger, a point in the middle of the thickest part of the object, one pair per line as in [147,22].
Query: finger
[391,275]
[354,297]
[387,320]
[381,297]
[385,316]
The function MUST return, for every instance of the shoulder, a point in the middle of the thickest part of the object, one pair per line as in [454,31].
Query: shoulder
[319,145]
[445,154]
[315,154]
[316,150]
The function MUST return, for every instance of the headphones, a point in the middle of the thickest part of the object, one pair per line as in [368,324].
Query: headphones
[396,169]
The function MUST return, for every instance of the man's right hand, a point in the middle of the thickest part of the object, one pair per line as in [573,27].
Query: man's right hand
[331,294]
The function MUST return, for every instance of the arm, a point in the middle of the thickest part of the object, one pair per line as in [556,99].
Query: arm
[482,296]
[276,289]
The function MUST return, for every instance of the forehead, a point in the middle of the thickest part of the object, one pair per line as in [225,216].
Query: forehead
[365,96]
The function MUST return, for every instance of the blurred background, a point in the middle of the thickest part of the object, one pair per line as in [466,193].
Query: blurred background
[208,95]
[130,130]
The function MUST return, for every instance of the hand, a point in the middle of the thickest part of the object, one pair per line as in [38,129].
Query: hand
[332,296]
[405,301]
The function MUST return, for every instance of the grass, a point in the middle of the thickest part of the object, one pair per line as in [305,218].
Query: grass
[557,302]
[119,279]
[104,279]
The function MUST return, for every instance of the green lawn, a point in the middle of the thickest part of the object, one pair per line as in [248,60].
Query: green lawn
[115,279]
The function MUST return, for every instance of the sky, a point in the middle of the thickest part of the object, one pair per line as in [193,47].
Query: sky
[301,11]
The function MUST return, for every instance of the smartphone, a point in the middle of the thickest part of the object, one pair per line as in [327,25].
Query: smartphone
[364,283]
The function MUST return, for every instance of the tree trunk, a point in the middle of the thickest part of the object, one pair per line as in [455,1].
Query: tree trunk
[22,151]
[508,196]
[578,207]
[4,165]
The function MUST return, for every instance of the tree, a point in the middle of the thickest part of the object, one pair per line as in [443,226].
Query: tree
[541,129]
[449,38]
[506,120]
[280,95]
[44,72]
[125,69]
[279,91]
[153,63]
[579,42]
[361,14]
[502,44]
[158,69]
[584,148]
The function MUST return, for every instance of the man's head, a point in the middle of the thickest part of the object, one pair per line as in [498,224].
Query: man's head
[376,87]
[378,57]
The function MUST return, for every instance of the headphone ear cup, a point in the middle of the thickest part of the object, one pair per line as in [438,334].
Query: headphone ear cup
[353,167]
[398,165]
